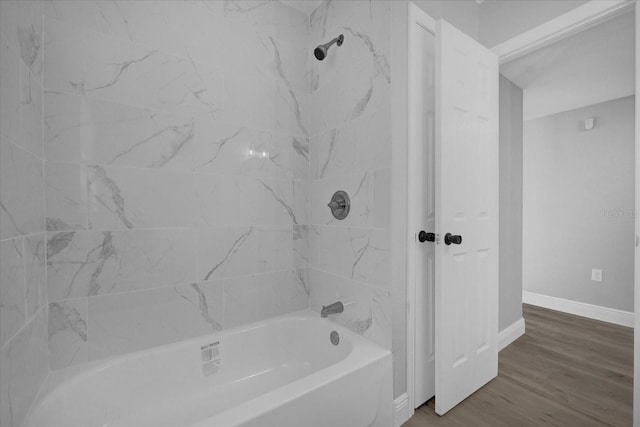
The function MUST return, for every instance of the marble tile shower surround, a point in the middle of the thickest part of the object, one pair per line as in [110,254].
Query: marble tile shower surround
[24,362]
[190,148]
[350,149]
[177,148]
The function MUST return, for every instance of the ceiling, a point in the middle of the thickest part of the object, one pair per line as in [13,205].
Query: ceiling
[304,6]
[593,66]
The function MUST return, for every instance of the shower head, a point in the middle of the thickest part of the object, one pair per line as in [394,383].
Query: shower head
[321,51]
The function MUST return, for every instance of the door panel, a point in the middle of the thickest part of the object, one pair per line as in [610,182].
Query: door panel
[466,190]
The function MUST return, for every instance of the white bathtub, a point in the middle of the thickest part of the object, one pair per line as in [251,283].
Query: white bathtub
[280,372]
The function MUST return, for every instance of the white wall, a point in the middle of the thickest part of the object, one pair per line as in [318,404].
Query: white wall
[502,20]
[578,202]
[511,107]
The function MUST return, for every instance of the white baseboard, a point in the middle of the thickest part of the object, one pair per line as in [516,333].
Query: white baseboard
[605,314]
[401,410]
[510,333]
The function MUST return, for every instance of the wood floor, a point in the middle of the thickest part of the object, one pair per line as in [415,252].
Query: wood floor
[565,371]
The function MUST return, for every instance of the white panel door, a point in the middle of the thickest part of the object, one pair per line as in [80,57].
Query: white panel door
[466,280]
[424,140]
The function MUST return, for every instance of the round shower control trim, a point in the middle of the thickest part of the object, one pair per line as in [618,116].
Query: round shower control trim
[340,205]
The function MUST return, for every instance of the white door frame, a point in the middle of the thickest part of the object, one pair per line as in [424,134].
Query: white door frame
[417,18]
[578,19]
[563,26]
[636,276]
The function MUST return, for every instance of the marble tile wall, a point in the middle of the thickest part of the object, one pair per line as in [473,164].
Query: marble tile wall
[24,360]
[350,150]
[178,182]
[177,155]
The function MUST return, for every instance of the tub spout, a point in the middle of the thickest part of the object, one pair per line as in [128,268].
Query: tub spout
[336,307]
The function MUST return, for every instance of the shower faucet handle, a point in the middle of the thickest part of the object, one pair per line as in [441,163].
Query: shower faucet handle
[340,205]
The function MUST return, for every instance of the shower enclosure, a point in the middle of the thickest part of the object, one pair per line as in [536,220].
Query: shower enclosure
[165,173]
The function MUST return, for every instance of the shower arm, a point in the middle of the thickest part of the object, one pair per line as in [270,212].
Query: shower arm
[338,40]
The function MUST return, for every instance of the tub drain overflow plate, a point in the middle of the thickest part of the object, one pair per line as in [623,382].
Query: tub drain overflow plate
[334,337]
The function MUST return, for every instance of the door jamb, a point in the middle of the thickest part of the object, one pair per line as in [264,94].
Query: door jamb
[636,276]
[417,17]
[578,19]
[560,27]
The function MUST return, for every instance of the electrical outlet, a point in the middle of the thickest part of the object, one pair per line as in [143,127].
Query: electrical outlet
[596,275]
